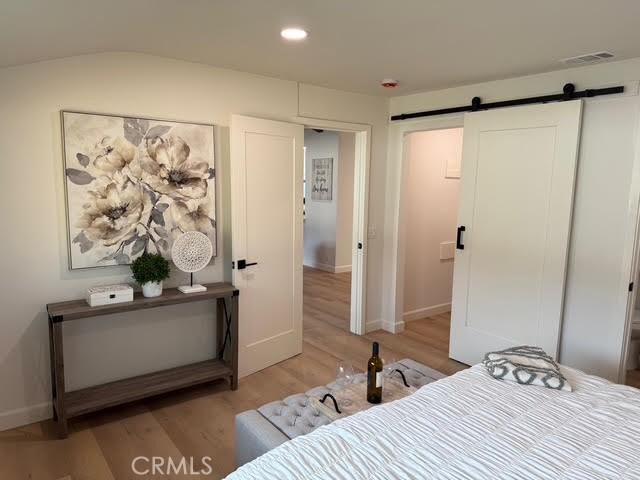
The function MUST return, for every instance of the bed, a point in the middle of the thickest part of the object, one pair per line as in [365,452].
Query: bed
[472,426]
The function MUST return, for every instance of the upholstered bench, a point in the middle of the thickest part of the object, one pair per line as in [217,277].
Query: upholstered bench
[258,431]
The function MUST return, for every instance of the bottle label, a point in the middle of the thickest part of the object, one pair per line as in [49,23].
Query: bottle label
[378,379]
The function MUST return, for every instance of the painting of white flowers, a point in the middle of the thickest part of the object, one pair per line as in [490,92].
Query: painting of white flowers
[134,185]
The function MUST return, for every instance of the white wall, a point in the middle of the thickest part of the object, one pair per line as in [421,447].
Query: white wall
[604,210]
[31,189]
[431,211]
[344,214]
[328,224]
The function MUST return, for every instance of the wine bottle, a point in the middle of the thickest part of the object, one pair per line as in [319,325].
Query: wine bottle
[374,376]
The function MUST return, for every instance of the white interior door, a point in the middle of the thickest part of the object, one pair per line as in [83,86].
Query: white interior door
[266,191]
[516,199]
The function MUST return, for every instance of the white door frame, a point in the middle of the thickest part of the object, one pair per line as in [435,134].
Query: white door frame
[397,176]
[630,258]
[362,132]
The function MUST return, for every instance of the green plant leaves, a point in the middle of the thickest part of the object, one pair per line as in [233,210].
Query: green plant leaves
[150,267]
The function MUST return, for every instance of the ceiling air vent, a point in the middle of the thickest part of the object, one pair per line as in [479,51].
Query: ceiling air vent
[588,58]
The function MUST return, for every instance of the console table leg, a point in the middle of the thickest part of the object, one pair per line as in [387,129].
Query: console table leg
[58,378]
[234,340]
[52,367]
[220,321]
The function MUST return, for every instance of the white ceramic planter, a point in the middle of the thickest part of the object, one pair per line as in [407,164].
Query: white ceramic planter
[152,289]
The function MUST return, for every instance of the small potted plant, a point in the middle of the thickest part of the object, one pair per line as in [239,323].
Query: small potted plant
[149,270]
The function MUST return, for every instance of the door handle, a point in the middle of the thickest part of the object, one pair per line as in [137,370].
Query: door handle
[242,264]
[459,244]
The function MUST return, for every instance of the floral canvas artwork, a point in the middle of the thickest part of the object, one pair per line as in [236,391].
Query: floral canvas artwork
[134,185]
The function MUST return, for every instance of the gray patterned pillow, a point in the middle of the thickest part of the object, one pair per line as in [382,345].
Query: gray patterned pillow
[526,365]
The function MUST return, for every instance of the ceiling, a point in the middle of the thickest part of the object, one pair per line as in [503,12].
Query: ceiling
[352,44]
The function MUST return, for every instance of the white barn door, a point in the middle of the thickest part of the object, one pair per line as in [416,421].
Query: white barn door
[266,193]
[518,174]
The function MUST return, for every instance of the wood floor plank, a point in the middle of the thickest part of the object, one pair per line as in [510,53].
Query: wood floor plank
[30,453]
[138,435]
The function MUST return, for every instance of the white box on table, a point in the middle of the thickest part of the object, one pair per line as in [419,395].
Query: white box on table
[109,294]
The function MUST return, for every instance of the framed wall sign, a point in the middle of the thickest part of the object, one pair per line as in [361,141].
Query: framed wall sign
[322,179]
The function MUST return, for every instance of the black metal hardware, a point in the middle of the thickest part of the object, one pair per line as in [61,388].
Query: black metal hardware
[242,264]
[568,93]
[631,287]
[227,333]
[404,379]
[359,245]
[335,403]
[459,244]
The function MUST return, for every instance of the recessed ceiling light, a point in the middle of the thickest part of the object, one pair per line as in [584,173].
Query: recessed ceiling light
[294,34]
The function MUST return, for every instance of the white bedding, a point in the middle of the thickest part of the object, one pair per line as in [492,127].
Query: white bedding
[471,426]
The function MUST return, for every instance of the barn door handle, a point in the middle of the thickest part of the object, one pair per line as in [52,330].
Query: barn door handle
[459,244]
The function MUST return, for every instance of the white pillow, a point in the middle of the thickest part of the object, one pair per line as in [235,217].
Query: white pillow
[526,365]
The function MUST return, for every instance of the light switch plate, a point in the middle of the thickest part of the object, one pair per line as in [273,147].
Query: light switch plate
[447,250]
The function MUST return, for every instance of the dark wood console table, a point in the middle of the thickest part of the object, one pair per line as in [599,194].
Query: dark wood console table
[225,366]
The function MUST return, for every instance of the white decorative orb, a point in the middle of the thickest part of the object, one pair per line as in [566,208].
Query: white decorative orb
[192,251]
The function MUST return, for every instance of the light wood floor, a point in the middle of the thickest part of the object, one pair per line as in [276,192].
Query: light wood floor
[327,297]
[199,422]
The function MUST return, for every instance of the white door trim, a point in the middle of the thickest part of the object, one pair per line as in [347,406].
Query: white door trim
[360,213]
[393,303]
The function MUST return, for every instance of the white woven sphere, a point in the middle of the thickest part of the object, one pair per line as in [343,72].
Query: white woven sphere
[192,251]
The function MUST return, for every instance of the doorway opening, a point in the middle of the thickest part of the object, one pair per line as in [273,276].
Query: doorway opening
[329,186]
[430,197]
[267,183]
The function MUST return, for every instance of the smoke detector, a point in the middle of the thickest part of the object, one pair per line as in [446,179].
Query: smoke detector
[588,58]
[389,83]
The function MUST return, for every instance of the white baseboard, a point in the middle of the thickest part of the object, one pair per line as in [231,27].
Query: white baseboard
[397,328]
[342,269]
[373,325]
[320,266]
[380,324]
[24,416]
[328,268]
[426,312]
